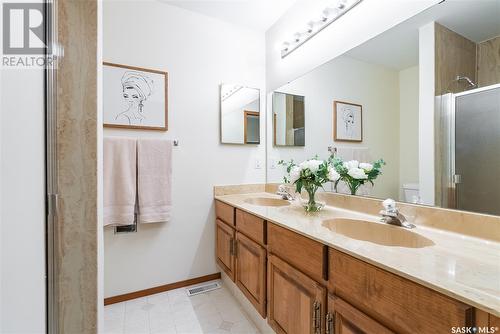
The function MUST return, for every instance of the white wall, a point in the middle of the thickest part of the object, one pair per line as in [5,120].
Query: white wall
[22,215]
[22,198]
[199,53]
[408,126]
[376,88]
[365,21]
[426,113]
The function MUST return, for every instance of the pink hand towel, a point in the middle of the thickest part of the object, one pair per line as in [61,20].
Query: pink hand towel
[120,169]
[154,170]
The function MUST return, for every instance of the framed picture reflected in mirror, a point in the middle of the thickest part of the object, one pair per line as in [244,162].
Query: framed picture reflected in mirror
[347,122]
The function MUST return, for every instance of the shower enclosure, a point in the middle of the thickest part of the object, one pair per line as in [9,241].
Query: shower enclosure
[468,144]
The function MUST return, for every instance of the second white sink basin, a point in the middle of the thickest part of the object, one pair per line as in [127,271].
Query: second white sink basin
[377,233]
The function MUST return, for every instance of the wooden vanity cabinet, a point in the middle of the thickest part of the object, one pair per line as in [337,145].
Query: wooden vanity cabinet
[252,226]
[225,243]
[484,319]
[307,255]
[296,303]
[285,275]
[343,318]
[225,212]
[250,275]
[398,303]
[494,321]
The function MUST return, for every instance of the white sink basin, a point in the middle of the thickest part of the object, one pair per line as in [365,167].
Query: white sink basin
[377,233]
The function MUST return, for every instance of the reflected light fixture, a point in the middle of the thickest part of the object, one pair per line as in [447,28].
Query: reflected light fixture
[330,14]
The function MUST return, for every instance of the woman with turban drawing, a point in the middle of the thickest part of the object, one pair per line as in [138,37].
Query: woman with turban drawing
[136,88]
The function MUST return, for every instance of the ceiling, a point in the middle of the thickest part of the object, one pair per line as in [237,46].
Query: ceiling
[258,15]
[477,20]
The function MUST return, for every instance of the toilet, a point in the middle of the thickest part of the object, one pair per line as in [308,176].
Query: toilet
[411,193]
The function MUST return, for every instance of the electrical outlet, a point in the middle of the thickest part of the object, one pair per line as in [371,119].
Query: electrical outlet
[258,164]
[272,163]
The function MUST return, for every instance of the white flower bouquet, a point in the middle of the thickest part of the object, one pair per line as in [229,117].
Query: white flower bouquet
[310,175]
[355,174]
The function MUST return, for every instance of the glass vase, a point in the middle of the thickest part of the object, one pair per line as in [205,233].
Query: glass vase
[310,204]
[353,187]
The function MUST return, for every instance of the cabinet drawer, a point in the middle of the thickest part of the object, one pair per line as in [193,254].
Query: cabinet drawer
[307,255]
[224,212]
[402,305]
[250,225]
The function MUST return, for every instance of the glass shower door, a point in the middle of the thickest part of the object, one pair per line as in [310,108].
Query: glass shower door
[477,150]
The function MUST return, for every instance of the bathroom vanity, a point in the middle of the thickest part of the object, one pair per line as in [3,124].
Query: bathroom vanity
[342,271]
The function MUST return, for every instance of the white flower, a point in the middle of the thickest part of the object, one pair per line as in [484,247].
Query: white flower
[295,174]
[366,166]
[351,164]
[357,173]
[312,165]
[332,174]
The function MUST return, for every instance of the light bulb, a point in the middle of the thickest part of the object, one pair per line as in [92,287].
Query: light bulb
[310,27]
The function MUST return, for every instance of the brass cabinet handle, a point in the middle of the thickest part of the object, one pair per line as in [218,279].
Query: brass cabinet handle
[317,317]
[330,324]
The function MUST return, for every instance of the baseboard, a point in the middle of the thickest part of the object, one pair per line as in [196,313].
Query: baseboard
[161,288]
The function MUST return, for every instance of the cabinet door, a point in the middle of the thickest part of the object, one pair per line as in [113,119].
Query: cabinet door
[296,303]
[405,306]
[225,247]
[251,271]
[343,318]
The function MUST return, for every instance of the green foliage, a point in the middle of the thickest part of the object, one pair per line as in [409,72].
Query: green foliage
[310,177]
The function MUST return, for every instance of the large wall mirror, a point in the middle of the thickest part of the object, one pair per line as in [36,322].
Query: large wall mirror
[240,114]
[423,96]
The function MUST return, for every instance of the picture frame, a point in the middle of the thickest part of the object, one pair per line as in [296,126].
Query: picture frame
[134,97]
[347,122]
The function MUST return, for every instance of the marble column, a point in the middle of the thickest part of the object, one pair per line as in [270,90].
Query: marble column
[76,230]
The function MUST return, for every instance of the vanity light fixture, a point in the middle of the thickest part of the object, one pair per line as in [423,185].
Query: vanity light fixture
[230,90]
[330,14]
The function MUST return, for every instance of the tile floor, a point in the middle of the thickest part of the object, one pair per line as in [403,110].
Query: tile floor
[173,312]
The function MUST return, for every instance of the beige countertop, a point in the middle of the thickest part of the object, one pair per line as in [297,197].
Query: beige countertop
[462,267]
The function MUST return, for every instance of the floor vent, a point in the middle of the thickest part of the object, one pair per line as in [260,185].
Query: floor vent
[196,290]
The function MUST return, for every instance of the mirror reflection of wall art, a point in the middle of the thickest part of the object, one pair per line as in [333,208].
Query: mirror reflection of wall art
[347,122]
[134,97]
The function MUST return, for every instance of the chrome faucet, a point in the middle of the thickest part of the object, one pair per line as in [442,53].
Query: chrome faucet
[284,193]
[391,215]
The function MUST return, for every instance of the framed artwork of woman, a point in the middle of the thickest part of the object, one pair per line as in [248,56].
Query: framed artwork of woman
[134,97]
[347,122]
